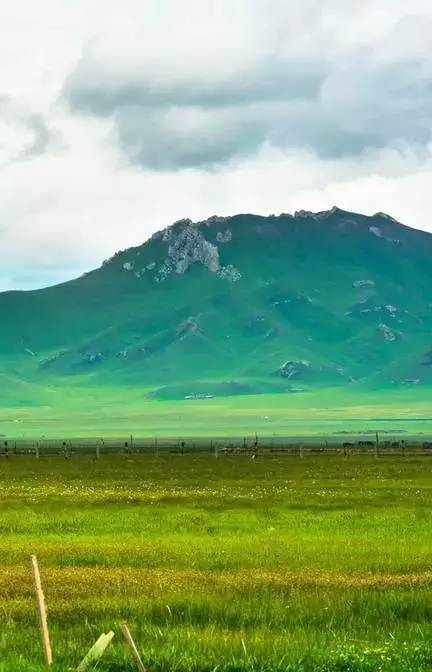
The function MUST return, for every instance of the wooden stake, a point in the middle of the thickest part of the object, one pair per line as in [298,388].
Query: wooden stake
[133,649]
[96,651]
[42,611]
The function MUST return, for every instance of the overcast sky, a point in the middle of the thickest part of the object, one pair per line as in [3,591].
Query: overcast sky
[120,117]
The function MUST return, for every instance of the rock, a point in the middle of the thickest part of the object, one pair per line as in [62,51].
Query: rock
[305,214]
[47,361]
[387,332]
[279,302]
[185,221]
[92,358]
[214,219]
[374,309]
[271,333]
[294,369]
[376,231]
[186,248]
[230,273]
[391,309]
[363,283]
[224,237]
[128,266]
[323,214]
[190,326]
[167,234]
[384,215]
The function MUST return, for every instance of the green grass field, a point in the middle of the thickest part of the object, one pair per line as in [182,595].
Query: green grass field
[281,563]
[117,412]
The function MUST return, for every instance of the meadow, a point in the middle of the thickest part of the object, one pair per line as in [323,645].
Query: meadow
[278,563]
[118,412]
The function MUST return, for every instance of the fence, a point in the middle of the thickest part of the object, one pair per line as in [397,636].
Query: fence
[253,446]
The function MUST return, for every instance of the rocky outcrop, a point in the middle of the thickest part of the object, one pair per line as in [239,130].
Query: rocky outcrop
[189,246]
[92,358]
[189,326]
[230,273]
[224,236]
[186,248]
[305,214]
[363,283]
[317,216]
[391,309]
[214,219]
[388,333]
[376,231]
[294,369]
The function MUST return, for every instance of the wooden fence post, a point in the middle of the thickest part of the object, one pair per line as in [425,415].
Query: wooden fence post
[133,649]
[42,611]
[96,651]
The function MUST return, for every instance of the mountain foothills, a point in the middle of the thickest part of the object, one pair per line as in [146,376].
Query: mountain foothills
[235,305]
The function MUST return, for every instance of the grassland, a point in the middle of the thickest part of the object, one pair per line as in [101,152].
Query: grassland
[281,563]
[116,412]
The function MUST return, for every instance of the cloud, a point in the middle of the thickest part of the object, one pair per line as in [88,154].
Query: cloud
[289,83]
[23,134]
[114,124]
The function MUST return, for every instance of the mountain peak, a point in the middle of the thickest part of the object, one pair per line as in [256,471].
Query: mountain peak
[384,215]
[322,214]
[184,243]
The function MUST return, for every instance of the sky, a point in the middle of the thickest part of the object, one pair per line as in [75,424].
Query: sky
[119,117]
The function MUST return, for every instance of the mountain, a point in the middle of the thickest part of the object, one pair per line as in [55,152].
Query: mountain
[235,305]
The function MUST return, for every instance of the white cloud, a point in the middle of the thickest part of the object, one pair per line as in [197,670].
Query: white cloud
[262,106]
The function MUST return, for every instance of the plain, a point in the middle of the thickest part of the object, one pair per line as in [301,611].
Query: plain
[277,563]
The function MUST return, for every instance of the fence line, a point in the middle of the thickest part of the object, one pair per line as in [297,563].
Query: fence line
[255,446]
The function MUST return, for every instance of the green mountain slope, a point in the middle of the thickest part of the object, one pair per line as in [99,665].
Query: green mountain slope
[237,305]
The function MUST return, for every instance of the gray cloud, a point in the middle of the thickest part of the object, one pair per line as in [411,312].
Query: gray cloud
[28,134]
[334,101]
[274,79]
[42,136]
